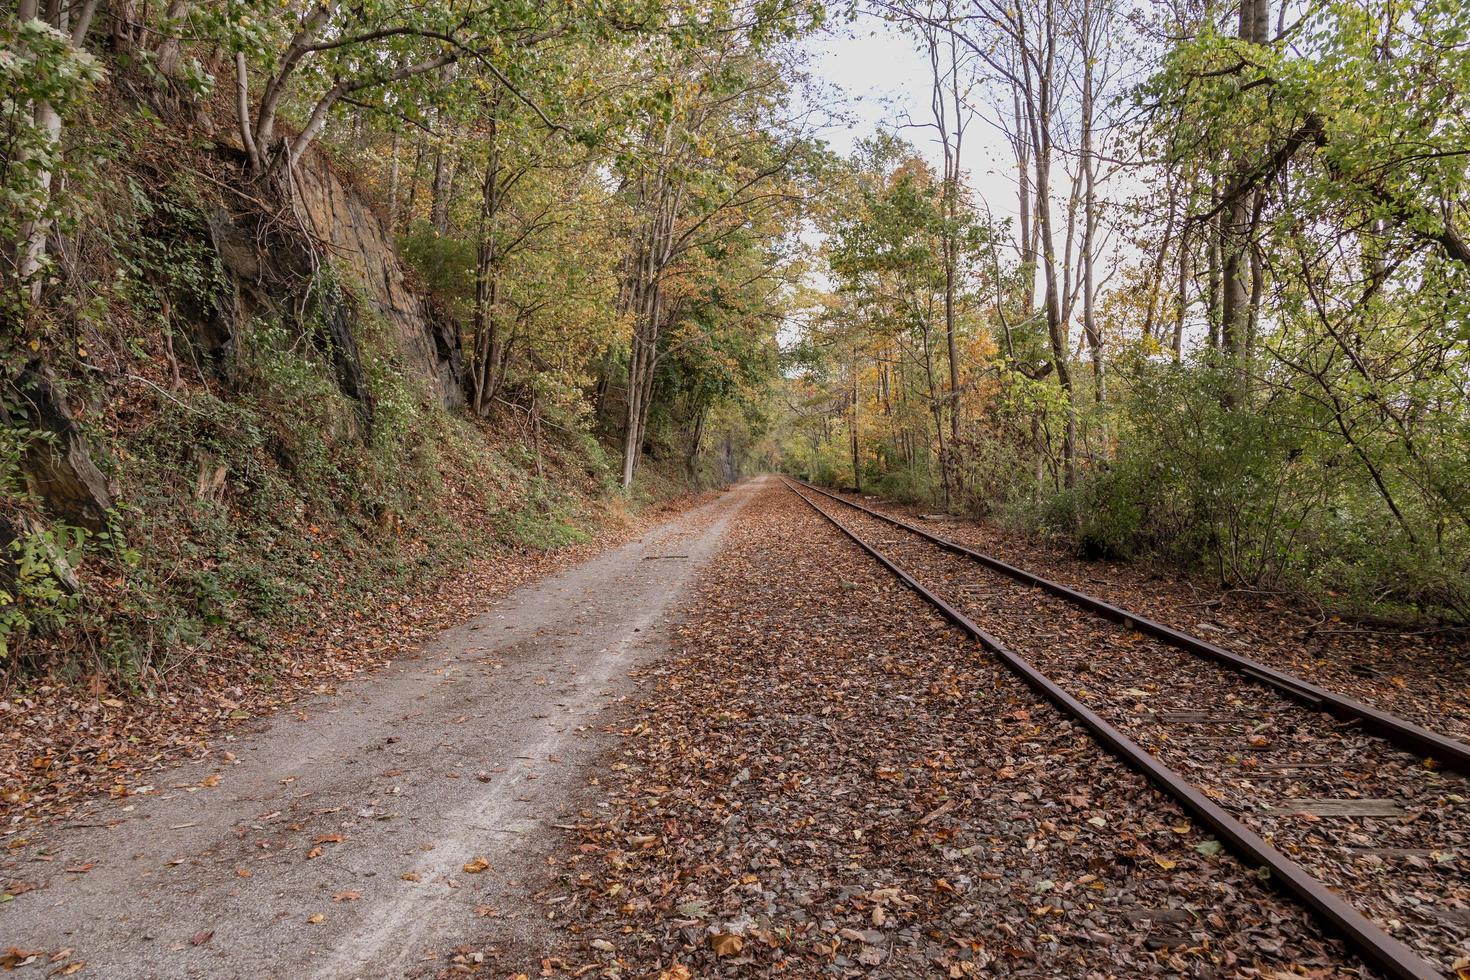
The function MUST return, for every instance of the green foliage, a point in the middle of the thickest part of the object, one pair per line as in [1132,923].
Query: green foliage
[445,264]
[264,478]
[35,594]
[1264,499]
[38,66]
[907,485]
[165,259]
[39,560]
[546,520]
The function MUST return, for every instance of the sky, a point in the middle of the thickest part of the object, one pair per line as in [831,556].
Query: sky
[884,81]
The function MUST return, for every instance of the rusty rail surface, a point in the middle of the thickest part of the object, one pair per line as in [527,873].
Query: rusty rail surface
[1375,945]
[1449,752]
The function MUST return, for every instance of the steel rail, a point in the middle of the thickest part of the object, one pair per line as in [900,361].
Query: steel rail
[1375,945]
[1450,752]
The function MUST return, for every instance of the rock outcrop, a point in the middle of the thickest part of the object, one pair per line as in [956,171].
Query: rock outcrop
[362,252]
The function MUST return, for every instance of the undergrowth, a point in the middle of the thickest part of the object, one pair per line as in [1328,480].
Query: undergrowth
[249,501]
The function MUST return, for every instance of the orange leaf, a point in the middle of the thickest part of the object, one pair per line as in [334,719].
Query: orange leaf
[725,944]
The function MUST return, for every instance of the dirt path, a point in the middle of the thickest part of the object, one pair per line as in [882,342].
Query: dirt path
[347,841]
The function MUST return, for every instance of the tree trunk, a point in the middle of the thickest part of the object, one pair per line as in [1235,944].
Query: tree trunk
[692,461]
[1237,231]
[31,248]
[1056,328]
[1213,285]
[393,181]
[487,280]
[1089,214]
[852,428]
[444,164]
[1028,239]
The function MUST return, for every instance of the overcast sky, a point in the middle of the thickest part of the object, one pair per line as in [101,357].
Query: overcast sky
[885,81]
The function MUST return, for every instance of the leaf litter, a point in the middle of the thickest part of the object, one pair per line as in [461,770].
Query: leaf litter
[1389,832]
[825,780]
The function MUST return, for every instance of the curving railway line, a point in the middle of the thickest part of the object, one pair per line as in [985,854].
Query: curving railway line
[1359,814]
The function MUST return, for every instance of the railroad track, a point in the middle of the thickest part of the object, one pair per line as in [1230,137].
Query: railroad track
[1330,796]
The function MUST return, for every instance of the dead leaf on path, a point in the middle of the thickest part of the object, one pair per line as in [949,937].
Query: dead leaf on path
[81,869]
[487,911]
[476,866]
[210,781]
[69,969]
[347,896]
[201,937]
[17,957]
[410,876]
[243,872]
[676,972]
[725,944]
[315,852]
[330,839]
[316,918]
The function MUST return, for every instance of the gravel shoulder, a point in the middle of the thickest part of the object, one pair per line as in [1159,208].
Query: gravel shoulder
[357,835]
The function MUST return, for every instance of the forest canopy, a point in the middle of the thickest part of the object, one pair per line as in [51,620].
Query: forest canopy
[1227,325]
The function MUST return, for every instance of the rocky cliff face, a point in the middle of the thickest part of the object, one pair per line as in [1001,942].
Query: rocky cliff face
[325,264]
[361,250]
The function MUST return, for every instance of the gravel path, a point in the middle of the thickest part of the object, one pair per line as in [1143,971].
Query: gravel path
[359,837]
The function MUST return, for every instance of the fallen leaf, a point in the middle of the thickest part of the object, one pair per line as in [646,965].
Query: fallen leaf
[15,957]
[725,944]
[316,918]
[476,866]
[201,937]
